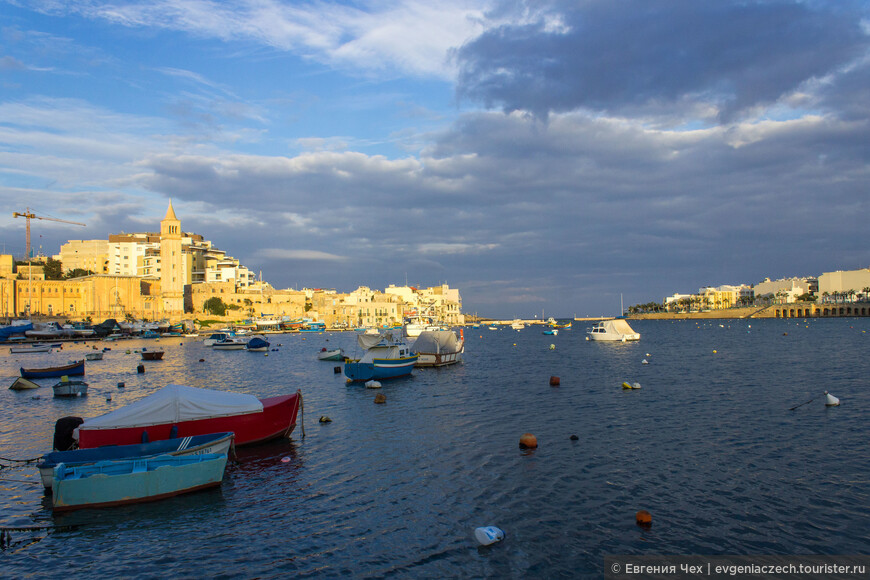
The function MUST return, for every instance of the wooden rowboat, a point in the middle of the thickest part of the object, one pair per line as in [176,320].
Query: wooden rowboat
[113,483]
[71,369]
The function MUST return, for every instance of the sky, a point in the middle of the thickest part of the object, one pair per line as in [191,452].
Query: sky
[546,158]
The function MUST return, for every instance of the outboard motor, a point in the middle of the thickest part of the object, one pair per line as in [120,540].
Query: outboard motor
[63,433]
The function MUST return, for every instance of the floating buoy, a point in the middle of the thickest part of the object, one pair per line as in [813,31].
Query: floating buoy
[373,385]
[648,354]
[528,441]
[140,369]
[202,360]
[380,398]
[714,352]
[574,438]
[285,460]
[488,535]
[643,518]
[554,381]
[109,398]
[120,385]
[831,400]
[336,370]
[265,354]
[644,362]
[552,347]
[325,419]
[128,351]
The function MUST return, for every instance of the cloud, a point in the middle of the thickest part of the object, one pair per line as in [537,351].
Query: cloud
[411,37]
[314,255]
[638,58]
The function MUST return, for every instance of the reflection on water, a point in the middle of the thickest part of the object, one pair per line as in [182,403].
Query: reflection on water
[708,446]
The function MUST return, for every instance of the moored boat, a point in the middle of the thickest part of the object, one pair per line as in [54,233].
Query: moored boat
[198,445]
[22,349]
[386,357]
[437,348]
[214,337]
[179,411]
[614,330]
[22,384]
[72,369]
[257,344]
[332,355]
[98,355]
[151,354]
[112,483]
[67,388]
[230,343]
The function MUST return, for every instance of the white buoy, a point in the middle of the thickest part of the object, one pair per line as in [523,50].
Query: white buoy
[644,362]
[488,535]
[831,400]
[373,385]
[552,347]
[635,386]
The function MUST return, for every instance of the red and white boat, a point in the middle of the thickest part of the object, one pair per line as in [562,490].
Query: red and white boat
[181,411]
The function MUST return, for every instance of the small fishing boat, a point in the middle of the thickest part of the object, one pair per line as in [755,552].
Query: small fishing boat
[551,331]
[386,357]
[436,348]
[333,355]
[198,445]
[151,354]
[230,343]
[30,348]
[22,384]
[615,330]
[94,355]
[112,483]
[179,411]
[68,388]
[72,369]
[257,344]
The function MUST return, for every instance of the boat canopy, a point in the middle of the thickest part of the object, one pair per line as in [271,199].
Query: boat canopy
[387,337]
[619,325]
[437,342]
[174,404]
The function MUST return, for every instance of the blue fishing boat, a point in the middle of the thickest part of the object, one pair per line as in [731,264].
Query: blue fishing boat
[196,445]
[386,356]
[72,369]
[112,483]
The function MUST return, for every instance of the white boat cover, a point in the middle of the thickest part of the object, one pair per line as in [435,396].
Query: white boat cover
[176,403]
[436,342]
[619,325]
[389,336]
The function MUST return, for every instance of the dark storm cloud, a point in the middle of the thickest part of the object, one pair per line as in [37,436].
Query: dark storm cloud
[633,57]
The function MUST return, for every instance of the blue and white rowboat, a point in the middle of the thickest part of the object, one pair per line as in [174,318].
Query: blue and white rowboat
[112,483]
[195,445]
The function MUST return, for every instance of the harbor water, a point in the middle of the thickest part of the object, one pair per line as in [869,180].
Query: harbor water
[709,446]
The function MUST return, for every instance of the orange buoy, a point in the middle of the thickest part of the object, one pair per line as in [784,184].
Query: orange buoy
[528,441]
[644,518]
[554,381]
[380,399]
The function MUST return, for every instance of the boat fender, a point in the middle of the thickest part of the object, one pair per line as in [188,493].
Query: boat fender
[173,433]
[144,436]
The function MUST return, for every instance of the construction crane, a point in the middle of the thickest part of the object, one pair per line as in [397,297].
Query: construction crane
[30,215]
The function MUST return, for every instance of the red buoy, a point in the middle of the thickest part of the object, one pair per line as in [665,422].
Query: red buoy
[554,381]
[528,441]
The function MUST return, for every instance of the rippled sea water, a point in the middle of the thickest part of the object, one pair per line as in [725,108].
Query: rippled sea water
[708,446]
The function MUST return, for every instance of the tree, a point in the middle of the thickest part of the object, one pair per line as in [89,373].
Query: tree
[53,269]
[215,305]
[77,273]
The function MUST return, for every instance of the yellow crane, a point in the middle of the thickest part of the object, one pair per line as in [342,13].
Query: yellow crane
[28,215]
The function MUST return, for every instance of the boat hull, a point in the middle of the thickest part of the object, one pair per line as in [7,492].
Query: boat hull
[331,355]
[440,359]
[28,349]
[70,389]
[75,369]
[380,369]
[22,384]
[152,355]
[277,419]
[113,483]
[199,445]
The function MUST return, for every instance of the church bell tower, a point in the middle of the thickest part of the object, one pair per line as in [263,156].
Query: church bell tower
[171,266]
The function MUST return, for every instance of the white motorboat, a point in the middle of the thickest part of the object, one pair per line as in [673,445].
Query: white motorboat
[231,343]
[614,330]
[435,348]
